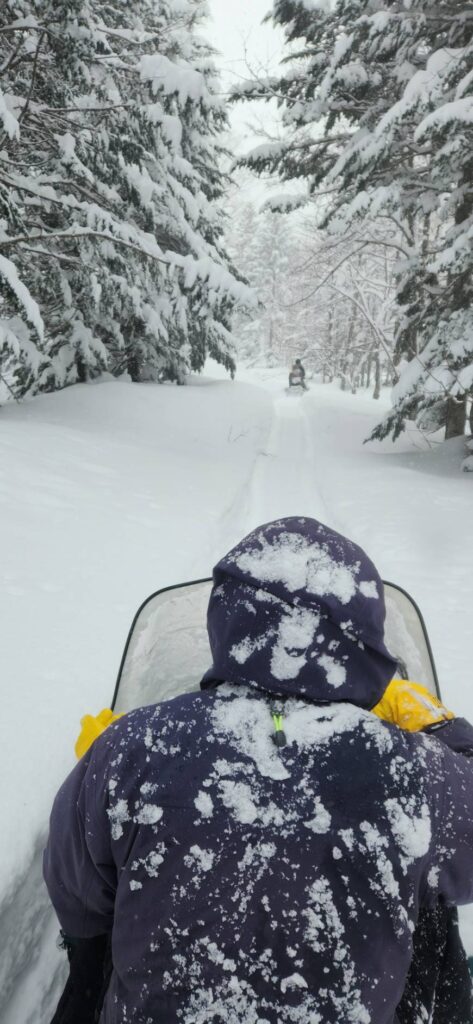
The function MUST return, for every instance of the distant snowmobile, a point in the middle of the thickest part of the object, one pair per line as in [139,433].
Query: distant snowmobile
[297,384]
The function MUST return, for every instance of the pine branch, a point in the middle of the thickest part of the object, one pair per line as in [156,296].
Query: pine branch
[12,59]
[26,27]
[87,110]
[82,233]
[327,277]
[61,257]
[373,325]
[24,111]
[9,388]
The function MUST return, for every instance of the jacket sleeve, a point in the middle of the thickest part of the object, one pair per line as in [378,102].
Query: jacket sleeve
[78,865]
[456,733]
[451,874]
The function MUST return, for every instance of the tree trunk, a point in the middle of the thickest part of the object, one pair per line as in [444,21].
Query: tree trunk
[346,356]
[329,347]
[455,417]
[82,374]
[133,366]
[270,336]
[343,377]
[377,375]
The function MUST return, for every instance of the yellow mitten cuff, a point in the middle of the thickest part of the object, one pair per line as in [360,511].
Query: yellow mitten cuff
[410,706]
[93,726]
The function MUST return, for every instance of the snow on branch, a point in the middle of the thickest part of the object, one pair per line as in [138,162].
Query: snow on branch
[460,111]
[9,273]
[172,77]
[254,88]
[109,162]
[267,151]
[7,117]
[286,203]
[216,277]
[14,337]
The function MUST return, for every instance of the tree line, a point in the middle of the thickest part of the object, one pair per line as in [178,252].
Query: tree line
[111,194]
[327,299]
[376,103]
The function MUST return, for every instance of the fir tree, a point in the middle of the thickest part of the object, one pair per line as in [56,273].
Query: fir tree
[264,244]
[377,107]
[110,191]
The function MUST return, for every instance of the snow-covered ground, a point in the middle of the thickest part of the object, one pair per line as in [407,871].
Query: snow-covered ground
[108,492]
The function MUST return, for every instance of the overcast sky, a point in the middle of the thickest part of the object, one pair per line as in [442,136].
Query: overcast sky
[235,30]
[235,26]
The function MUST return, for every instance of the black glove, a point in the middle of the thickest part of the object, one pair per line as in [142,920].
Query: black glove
[89,974]
[438,985]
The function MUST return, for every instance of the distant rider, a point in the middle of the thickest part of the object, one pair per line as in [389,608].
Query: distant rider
[297,374]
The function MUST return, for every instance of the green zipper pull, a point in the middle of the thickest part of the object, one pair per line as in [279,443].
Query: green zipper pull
[279,738]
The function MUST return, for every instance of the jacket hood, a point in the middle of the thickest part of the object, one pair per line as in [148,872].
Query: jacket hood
[297,609]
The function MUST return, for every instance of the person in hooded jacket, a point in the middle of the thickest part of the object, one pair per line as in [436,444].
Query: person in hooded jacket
[297,374]
[260,851]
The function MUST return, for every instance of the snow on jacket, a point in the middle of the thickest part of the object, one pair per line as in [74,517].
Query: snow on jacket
[245,883]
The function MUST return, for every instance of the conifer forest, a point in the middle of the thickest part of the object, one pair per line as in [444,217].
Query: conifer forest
[127,243]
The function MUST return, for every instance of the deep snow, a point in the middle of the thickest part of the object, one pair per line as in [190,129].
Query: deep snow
[108,492]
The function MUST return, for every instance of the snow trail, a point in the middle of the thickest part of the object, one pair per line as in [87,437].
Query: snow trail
[105,508]
[284,480]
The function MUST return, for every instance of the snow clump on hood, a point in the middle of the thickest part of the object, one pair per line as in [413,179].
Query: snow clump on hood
[296,609]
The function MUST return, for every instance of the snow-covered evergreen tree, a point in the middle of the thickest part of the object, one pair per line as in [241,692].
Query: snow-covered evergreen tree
[272,250]
[377,104]
[344,296]
[436,287]
[327,299]
[241,232]
[265,245]
[110,192]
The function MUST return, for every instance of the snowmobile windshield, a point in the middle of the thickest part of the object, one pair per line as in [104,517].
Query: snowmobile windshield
[167,650]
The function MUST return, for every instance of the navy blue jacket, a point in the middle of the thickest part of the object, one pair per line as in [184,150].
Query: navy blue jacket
[246,883]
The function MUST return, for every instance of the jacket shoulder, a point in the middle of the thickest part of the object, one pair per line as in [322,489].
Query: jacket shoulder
[178,713]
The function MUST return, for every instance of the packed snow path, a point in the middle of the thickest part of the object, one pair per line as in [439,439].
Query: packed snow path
[285,475]
[109,492]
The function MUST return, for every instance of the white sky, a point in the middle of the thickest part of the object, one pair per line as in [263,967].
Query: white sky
[235,27]
[246,48]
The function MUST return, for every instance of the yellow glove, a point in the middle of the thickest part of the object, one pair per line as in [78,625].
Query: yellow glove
[93,726]
[410,706]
